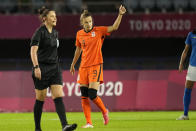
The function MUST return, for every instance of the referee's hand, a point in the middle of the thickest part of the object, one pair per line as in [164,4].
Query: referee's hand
[37,72]
[72,69]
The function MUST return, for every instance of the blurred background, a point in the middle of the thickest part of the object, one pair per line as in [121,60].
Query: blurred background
[129,51]
[144,53]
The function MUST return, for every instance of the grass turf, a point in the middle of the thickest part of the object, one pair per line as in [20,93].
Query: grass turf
[119,121]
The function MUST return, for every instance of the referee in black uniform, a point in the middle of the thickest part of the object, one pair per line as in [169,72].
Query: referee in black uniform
[46,71]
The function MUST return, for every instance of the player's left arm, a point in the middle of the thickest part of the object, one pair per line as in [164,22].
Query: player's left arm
[117,22]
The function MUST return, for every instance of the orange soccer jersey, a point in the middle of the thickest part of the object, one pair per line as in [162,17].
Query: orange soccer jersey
[91,44]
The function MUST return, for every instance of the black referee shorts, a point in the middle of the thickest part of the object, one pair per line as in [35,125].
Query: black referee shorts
[51,74]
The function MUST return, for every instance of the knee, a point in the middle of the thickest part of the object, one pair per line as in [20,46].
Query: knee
[40,97]
[189,84]
[84,91]
[56,94]
[92,93]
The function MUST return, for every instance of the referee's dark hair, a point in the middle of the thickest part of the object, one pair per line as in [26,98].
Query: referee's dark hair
[43,12]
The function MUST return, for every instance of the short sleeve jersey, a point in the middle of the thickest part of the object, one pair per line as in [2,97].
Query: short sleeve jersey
[48,44]
[91,43]
[191,40]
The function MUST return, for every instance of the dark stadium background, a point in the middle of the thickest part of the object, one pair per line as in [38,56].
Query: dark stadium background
[119,53]
[128,53]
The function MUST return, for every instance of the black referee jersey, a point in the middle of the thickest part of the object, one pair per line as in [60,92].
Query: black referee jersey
[48,44]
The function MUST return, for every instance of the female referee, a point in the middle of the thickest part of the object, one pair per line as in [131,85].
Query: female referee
[46,71]
[191,74]
[89,41]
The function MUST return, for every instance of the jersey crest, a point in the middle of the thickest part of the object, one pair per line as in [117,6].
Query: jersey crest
[93,34]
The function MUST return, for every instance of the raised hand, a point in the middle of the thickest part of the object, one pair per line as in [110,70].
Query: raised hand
[122,10]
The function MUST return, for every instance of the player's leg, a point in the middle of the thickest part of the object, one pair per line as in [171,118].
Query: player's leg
[86,105]
[92,92]
[83,80]
[57,95]
[190,79]
[38,106]
[187,96]
[95,78]
[187,99]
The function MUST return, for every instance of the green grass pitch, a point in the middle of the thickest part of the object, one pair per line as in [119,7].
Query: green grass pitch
[119,121]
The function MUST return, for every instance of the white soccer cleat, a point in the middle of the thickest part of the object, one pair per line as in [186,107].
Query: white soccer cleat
[88,126]
[183,117]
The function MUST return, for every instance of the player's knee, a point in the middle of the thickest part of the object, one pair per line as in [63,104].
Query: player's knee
[189,84]
[84,91]
[92,93]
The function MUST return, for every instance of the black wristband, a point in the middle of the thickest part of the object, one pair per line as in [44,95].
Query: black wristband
[35,67]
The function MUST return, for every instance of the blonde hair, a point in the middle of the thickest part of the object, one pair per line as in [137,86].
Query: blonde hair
[84,14]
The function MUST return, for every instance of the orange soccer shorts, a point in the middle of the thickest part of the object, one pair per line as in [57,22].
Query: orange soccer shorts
[90,74]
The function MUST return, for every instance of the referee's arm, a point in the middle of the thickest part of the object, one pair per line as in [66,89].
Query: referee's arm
[37,71]
[34,59]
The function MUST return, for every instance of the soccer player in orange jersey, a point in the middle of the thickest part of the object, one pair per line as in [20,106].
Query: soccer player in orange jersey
[89,41]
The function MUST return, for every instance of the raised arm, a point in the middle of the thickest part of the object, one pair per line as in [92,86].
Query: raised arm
[183,57]
[75,59]
[117,22]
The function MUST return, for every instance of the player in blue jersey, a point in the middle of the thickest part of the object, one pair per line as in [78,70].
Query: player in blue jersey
[191,73]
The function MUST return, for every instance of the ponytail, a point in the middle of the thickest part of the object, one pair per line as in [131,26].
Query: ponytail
[84,14]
